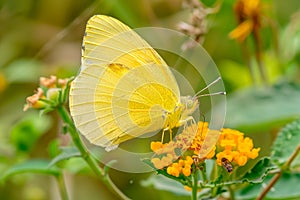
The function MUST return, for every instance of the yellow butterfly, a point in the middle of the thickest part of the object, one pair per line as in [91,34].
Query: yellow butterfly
[124,89]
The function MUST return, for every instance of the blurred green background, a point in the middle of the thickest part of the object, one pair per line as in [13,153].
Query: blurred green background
[42,38]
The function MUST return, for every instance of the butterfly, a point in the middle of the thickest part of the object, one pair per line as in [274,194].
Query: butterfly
[124,88]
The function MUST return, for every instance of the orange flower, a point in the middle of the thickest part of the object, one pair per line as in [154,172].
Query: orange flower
[235,148]
[186,171]
[156,146]
[34,100]
[48,82]
[231,144]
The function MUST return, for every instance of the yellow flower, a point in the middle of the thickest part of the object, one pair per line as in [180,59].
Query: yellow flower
[3,82]
[254,153]
[189,160]
[187,188]
[186,171]
[156,146]
[174,170]
[248,13]
[241,160]
[241,32]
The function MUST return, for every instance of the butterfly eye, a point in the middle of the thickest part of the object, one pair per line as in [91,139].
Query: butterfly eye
[190,102]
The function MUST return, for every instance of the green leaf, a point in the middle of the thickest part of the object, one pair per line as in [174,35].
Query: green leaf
[259,172]
[53,148]
[23,70]
[255,175]
[77,165]
[35,166]
[287,187]
[258,109]
[67,153]
[181,179]
[28,130]
[161,182]
[286,143]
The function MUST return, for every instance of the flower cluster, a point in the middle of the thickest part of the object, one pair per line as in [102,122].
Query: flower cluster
[49,92]
[166,154]
[199,142]
[236,148]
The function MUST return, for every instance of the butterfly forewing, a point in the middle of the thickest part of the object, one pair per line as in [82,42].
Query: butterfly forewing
[124,87]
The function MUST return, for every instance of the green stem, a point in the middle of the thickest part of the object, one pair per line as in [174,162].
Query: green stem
[231,193]
[203,172]
[195,185]
[62,187]
[247,57]
[258,55]
[86,155]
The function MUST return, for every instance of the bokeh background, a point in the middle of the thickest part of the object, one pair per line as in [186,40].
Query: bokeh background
[42,38]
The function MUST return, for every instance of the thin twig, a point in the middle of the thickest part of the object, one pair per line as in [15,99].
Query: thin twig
[277,176]
[258,56]
[59,36]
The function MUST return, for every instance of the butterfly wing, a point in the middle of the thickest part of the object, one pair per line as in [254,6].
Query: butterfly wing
[124,86]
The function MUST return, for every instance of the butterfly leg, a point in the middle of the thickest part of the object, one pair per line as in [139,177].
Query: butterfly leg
[163,134]
[185,121]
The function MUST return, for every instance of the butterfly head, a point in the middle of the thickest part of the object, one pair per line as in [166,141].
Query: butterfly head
[190,104]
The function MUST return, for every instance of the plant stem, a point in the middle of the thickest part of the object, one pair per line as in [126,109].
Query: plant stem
[247,58]
[277,176]
[195,185]
[292,157]
[62,187]
[86,155]
[258,55]
[231,193]
[203,172]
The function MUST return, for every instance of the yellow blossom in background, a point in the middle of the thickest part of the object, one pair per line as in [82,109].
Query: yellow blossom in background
[248,13]
[241,32]
[3,82]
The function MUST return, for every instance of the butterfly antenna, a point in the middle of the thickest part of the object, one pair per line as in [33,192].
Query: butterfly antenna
[211,94]
[197,95]
[215,81]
